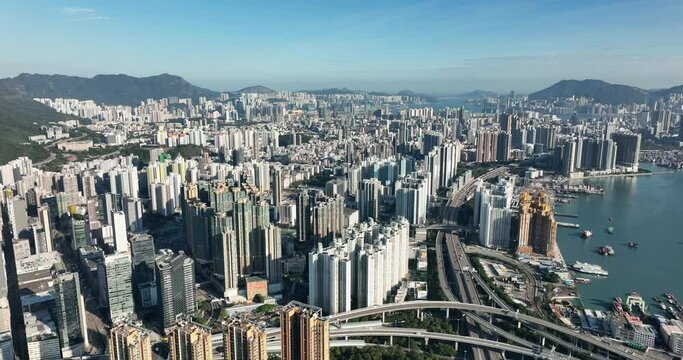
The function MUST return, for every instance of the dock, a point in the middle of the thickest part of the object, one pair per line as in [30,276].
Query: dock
[569,225]
[567,215]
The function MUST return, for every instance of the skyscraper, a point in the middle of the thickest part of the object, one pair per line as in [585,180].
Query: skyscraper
[120,231]
[537,225]
[226,266]
[128,342]
[368,202]
[628,149]
[115,278]
[175,286]
[244,340]
[69,311]
[304,333]
[190,341]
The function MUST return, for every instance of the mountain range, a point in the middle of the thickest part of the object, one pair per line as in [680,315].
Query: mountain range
[602,92]
[107,89]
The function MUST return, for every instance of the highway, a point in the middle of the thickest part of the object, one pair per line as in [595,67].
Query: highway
[534,284]
[459,266]
[421,304]
[536,352]
[458,260]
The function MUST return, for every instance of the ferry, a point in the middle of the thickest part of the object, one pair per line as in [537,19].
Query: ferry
[586,234]
[589,269]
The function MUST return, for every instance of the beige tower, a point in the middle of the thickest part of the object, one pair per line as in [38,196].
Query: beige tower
[128,342]
[305,334]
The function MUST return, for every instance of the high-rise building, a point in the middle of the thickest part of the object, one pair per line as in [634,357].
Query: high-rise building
[69,309]
[272,240]
[330,280]
[244,340]
[225,265]
[119,228]
[628,149]
[412,197]
[115,279]
[303,216]
[368,202]
[175,286]
[190,341]
[143,254]
[128,342]
[304,333]
[537,224]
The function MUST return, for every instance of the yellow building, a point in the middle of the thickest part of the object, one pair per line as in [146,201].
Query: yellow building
[128,342]
[305,334]
[243,340]
[537,224]
[190,341]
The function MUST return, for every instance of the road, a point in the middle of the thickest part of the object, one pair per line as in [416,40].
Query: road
[533,283]
[459,264]
[516,316]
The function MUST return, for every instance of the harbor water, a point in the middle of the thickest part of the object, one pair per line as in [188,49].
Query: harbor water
[647,210]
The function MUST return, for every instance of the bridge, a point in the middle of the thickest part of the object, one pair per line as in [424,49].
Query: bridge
[420,305]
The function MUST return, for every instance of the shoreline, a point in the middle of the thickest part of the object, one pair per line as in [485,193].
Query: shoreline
[629,174]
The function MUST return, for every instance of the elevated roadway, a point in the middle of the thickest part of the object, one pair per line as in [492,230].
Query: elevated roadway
[420,305]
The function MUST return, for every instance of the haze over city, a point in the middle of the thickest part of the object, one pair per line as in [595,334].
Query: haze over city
[441,47]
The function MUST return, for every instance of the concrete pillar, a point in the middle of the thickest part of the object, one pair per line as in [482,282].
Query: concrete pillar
[391,340]
[383,317]
[456,346]
[543,341]
[448,311]
[519,324]
[426,341]
[422,316]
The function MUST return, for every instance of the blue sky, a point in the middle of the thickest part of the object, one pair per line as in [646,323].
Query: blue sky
[435,46]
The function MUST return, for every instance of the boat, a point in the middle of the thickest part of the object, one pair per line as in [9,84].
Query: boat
[633,245]
[610,230]
[610,218]
[582,280]
[656,299]
[606,250]
[589,269]
[662,306]
[586,234]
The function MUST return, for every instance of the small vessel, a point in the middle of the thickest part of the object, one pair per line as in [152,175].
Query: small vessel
[610,218]
[582,280]
[662,306]
[606,250]
[656,299]
[610,230]
[586,234]
[633,245]
[589,269]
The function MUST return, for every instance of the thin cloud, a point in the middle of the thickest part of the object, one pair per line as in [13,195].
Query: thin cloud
[82,14]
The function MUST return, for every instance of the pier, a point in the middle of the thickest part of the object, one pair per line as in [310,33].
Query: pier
[569,225]
[567,215]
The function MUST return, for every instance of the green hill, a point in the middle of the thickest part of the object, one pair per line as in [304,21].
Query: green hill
[20,118]
[107,89]
[603,92]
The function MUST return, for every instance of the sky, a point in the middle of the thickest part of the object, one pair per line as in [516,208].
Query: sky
[432,46]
